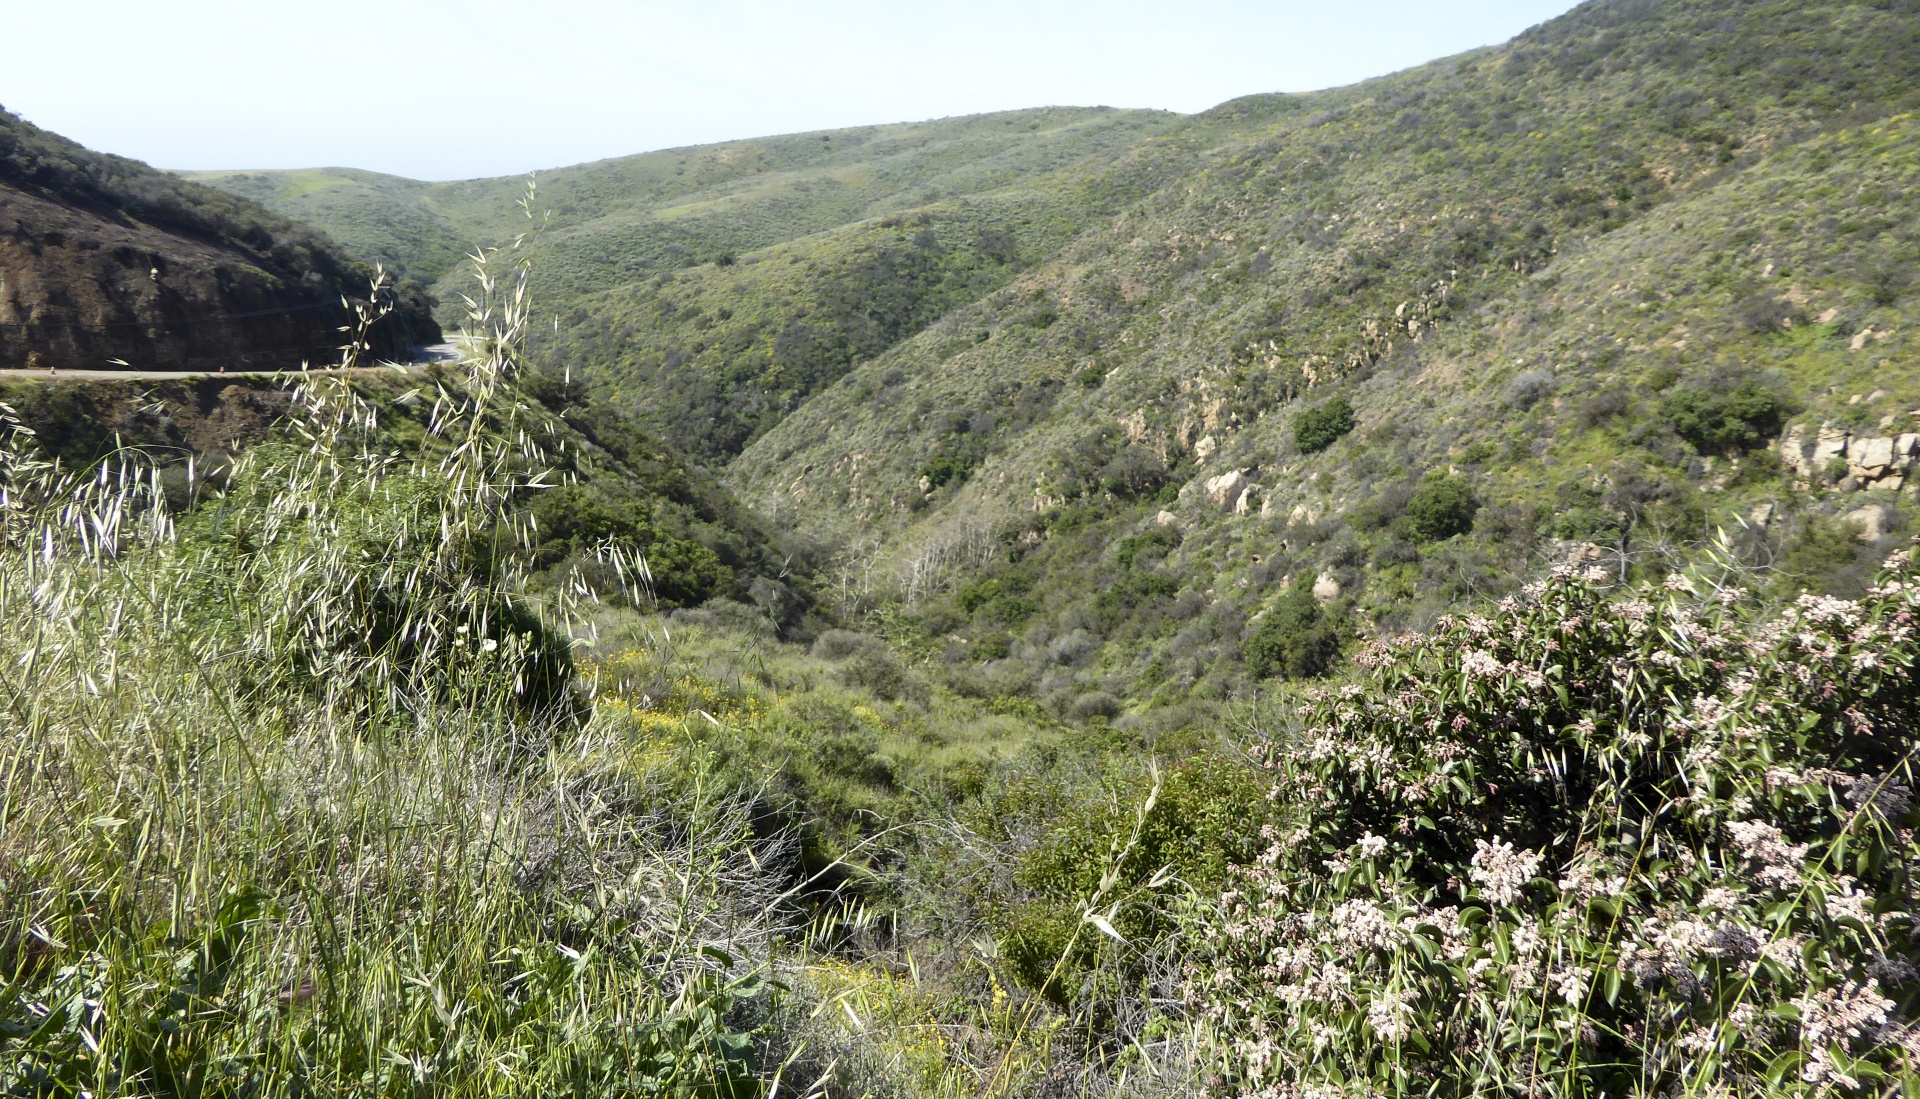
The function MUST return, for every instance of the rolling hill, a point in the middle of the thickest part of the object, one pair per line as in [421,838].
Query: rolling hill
[1158,405]
[1563,293]
[833,245]
[106,259]
[1398,590]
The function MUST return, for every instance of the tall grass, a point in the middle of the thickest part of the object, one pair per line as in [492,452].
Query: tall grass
[296,798]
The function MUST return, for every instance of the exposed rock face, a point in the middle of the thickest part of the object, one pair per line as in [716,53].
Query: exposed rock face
[104,259]
[1873,461]
[1230,490]
[1325,588]
[1872,521]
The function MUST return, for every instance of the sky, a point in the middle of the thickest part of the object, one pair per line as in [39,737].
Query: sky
[439,89]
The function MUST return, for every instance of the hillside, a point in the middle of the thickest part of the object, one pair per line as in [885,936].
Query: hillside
[610,479]
[609,222]
[1147,408]
[107,260]
[712,289]
[1399,591]
[1549,299]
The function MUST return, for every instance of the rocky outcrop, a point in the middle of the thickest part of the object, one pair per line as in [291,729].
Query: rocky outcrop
[107,262]
[1231,491]
[1872,461]
[1872,521]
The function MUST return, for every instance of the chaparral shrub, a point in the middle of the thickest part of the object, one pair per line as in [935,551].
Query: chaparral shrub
[1587,845]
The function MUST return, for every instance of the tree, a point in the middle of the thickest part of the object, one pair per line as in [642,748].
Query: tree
[1441,506]
[1315,429]
[1296,640]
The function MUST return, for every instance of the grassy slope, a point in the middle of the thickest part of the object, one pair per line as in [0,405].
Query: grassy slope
[1561,205]
[871,234]
[612,479]
[614,219]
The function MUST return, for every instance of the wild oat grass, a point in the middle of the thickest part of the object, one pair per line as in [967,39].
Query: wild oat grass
[296,798]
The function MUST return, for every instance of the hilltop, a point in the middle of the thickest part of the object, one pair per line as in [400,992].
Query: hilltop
[1400,345]
[710,290]
[108,260]
[1395,346]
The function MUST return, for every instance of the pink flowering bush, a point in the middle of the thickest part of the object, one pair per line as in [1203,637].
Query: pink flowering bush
[1586,844]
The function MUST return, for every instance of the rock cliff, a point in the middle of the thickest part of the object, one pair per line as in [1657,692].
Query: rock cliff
[105,262]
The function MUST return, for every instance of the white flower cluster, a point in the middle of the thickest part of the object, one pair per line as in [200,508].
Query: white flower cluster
[1760,842]
[1840,1016]
[1500,871]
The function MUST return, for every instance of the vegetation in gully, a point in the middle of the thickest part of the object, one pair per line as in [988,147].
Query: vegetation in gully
[1404,590]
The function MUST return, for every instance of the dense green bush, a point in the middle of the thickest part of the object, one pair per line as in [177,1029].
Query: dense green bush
[1442,505]
[1719,418]
[1296,639]
[1203,817]
[1319,427]
[574,521]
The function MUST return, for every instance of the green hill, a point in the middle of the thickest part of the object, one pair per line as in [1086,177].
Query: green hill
[654,265]
[1313,599]
[1570,288]
[612,221]
[1112,391]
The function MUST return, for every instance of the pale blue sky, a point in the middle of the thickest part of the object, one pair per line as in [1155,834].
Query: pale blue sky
[449,89]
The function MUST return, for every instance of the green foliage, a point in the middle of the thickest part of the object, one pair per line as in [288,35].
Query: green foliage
[1319,427]
[574,520]
[1296,639]
[1727,418]
[1819,556]
[304,833]
[1442,506]
[1708,770]
[944,468]
[1205,817]
[1151,544]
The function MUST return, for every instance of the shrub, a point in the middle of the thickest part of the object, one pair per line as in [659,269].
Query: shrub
[840,644]
[1818,555]
[1317,428]
[1671,840]
[879,672]
[945,468]
[1094,704]
[1295,640]
[1721,419]
[1602,407]
[1442,505]
[1529,388]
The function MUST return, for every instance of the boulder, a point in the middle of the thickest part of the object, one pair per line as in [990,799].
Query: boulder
[1871,456]
[1880,458]
[1245,503]
[1229,489]
[1829,444]
[1873,521]
[1325,588]
[1793,450]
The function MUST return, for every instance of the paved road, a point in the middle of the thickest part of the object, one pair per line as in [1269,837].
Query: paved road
[425,357]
